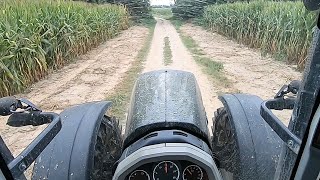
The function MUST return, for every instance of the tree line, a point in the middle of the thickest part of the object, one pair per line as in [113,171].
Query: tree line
[138,9]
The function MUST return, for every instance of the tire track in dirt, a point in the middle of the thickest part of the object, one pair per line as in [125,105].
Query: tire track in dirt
[182,60]
[246,68]
[89,78]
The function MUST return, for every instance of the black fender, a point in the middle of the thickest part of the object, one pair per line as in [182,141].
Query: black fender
[68,155]
[259,146]
[311,5]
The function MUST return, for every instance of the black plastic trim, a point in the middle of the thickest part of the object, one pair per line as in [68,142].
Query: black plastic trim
[292,141]
[4,168]
[18,165]
[168,136]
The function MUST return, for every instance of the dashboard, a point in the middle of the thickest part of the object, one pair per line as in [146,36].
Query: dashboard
[175,170]
[167,155]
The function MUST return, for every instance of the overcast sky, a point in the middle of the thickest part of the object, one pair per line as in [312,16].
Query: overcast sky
[161,2]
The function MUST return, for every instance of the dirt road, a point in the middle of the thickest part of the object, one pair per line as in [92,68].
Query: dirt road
[182,60]
[245,67]
[247,70]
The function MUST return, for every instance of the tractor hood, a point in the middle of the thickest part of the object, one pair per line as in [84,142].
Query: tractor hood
[166,99]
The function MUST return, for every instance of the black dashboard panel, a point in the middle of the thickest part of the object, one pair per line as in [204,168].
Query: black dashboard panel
[167,161]
[169,170]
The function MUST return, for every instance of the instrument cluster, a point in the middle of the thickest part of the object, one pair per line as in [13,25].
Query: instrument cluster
[169,170]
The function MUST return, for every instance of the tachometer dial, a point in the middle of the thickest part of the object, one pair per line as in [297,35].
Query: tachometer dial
[166,170]
[192,172]
[139,175]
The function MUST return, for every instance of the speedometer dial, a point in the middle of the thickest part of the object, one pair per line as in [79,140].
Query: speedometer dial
[192,172]
[139,175]
[166,170]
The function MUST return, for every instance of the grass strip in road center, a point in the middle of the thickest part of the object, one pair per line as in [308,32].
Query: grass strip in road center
[167,53]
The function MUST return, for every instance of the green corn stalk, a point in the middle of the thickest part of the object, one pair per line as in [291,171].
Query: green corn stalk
[283,29]
[38,35]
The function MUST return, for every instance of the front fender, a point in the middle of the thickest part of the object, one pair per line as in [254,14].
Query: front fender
[259,145]
[68,155]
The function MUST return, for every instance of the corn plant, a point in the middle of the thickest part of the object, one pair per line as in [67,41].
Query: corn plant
[283,29]
[39,35]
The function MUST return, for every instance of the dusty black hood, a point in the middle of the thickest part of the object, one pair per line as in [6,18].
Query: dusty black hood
[166,99]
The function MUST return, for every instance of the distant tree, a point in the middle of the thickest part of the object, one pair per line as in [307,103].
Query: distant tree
[189,8]
[211,2]
[100,1]
[138,9]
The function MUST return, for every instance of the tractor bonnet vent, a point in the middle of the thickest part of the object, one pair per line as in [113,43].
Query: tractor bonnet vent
[179,133]
[151,135]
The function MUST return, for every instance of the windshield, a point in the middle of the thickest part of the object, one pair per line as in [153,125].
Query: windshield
[58,54]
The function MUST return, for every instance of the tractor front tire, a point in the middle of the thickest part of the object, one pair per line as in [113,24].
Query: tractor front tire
[108,143]
[224,145]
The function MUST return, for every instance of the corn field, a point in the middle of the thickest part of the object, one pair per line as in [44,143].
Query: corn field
[283,29]
[40,35]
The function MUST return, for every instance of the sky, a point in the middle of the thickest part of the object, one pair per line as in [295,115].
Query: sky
[161,2]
